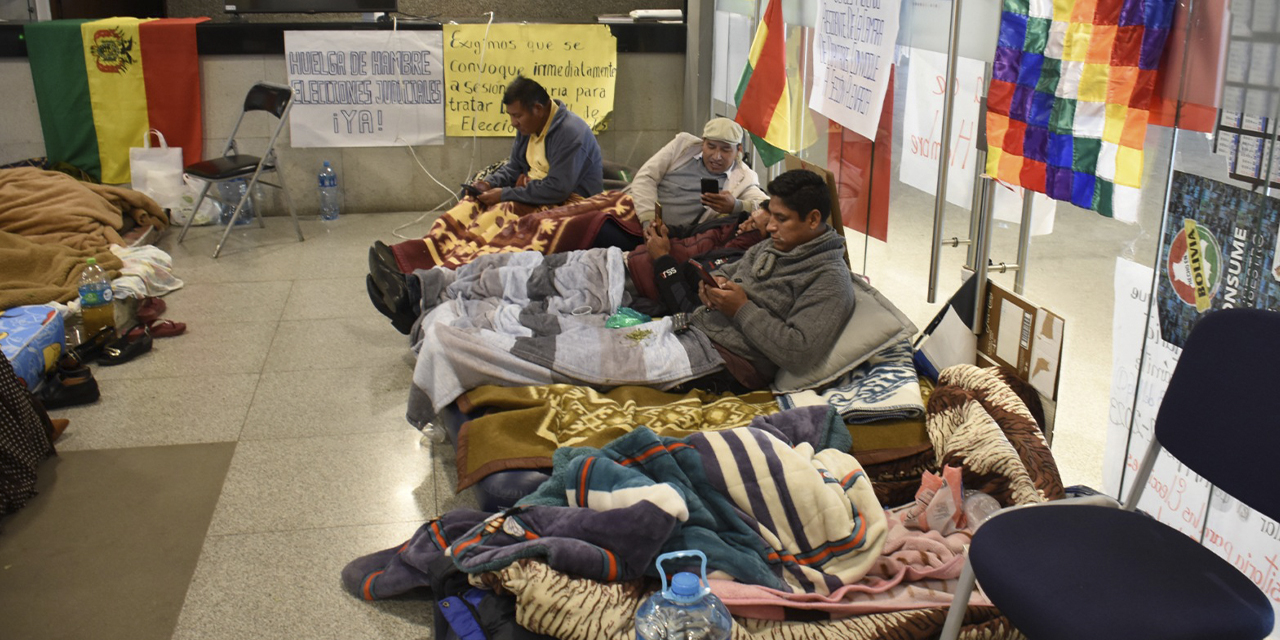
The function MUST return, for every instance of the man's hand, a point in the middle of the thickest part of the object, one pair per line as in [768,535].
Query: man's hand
[481,186]
[656,239]
[722,202]
[490,197]
[727,299]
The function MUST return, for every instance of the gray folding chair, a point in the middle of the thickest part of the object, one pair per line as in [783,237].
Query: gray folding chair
[276,100]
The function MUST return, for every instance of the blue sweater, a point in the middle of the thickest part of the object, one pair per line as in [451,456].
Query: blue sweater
[574,156]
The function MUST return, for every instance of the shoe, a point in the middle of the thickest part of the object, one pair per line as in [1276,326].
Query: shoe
[69,390]
[92,347]
[403,322]
[158,329]
[150,310]
[126,348]
[388,279]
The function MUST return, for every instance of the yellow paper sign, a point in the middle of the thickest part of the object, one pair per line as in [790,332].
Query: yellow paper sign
[577,63]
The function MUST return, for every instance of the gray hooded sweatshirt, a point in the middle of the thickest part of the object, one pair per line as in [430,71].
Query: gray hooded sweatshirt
[797,303]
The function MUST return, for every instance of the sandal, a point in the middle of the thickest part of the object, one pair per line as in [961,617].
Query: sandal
[91,348]
[126,348]
[150,310]
[158,329]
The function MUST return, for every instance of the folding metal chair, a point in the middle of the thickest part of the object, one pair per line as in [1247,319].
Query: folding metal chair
[276,100]
[1069,571]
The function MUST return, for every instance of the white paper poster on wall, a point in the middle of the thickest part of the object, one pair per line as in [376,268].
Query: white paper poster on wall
[852,55]
[1174,495]
[365,88]
[922,139]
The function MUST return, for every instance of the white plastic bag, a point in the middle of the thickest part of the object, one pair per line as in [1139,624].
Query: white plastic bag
[209,212]
[157,171]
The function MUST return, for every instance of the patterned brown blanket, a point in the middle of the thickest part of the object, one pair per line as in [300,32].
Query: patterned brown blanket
[469,230]
[532,422]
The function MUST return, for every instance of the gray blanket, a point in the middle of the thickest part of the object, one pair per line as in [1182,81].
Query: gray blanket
[520,319]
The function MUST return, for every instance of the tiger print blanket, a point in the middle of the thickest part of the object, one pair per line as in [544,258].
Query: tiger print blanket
[568,608]
[977,422]
[469,230]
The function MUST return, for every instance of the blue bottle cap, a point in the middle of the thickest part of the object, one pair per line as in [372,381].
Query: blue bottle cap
[685,587]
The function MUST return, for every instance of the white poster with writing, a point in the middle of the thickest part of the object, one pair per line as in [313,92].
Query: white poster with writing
[922,138]
[853,54]
[1174,495]
[365,88]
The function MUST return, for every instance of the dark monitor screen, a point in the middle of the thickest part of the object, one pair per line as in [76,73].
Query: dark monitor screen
[309,6]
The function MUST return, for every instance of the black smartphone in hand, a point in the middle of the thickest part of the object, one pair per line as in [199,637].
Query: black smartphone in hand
[469,190]
[710,185]
[706,277]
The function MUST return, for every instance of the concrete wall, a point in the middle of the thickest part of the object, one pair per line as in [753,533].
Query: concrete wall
[646,116]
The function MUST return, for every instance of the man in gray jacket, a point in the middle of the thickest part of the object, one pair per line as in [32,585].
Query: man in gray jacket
[674,175]
[554,148]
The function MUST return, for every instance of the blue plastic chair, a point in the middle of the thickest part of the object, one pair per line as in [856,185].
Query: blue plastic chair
[1075,572]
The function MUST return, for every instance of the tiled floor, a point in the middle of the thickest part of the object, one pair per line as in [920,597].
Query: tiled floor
[224,479]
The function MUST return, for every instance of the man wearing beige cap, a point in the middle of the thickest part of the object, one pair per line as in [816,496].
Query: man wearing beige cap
[674,177]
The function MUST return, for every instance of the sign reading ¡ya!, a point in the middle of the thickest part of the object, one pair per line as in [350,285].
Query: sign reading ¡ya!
[365,88]
[853,54]
[576,63]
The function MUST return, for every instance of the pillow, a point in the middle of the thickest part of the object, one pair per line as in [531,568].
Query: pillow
[874,325]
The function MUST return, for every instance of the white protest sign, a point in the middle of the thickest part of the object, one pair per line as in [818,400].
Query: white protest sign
[365,88]
[922,138]
[853,54]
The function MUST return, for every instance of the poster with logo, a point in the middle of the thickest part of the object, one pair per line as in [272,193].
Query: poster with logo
[1219,253]
[853,54]
[365,88]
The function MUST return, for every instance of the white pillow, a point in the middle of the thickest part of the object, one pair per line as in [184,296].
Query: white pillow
[874,325]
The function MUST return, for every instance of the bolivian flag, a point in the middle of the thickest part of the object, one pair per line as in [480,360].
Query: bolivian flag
[764,103]
[102,84]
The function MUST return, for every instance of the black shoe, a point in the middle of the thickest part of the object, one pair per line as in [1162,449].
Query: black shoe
[403,322]
[92,347]
[389,282]
[126,348]
[69,389]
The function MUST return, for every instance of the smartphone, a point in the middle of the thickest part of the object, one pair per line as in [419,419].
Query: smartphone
[702,273]
[710,185]
[657,212]
[469,190]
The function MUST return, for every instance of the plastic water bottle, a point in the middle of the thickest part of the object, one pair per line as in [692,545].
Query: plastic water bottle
[329,205]
[96,307]
[684,610]
[231,191]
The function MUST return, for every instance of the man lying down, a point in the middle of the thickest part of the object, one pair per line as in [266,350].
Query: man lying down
[527,319]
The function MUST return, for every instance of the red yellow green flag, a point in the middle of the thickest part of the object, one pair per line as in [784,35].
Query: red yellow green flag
[764,102]
[102,84]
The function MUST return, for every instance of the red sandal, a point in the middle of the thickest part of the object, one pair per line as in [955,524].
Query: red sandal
[159,329]
[150,309]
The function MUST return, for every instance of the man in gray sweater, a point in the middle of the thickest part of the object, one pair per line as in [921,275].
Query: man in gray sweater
[785,302]
[554,148]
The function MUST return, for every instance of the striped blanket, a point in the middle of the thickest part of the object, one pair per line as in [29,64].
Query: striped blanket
[517,319]
[885,387]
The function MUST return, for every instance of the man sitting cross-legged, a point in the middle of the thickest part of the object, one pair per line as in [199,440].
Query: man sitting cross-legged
[525,318]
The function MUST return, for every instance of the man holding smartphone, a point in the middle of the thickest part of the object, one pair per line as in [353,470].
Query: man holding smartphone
[697,179]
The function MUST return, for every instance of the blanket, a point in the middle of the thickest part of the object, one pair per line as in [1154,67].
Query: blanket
[572,608]
[33,273]
[885,387]
[469,230]
[530,423]
[547,327]
[53,208]
[976,421]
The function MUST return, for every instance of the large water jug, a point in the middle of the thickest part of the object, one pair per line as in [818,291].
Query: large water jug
[684,610]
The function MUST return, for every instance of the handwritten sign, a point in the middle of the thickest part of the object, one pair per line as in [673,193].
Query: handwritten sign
[922,138]
[365,88]
[576,63]
[854,51]
[1174,495]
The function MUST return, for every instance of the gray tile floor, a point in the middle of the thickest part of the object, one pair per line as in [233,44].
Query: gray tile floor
[224,479]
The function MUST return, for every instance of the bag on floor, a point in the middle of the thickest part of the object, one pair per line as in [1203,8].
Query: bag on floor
[157,171]
[209,212]
[464,612]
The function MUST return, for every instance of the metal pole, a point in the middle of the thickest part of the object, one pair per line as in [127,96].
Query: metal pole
[1024,242]
[980,161]
[944,158]
[981,253]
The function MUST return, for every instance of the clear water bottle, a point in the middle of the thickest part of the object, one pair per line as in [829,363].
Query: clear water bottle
[684,610]
[329,204]
[96,307]
[231,191]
